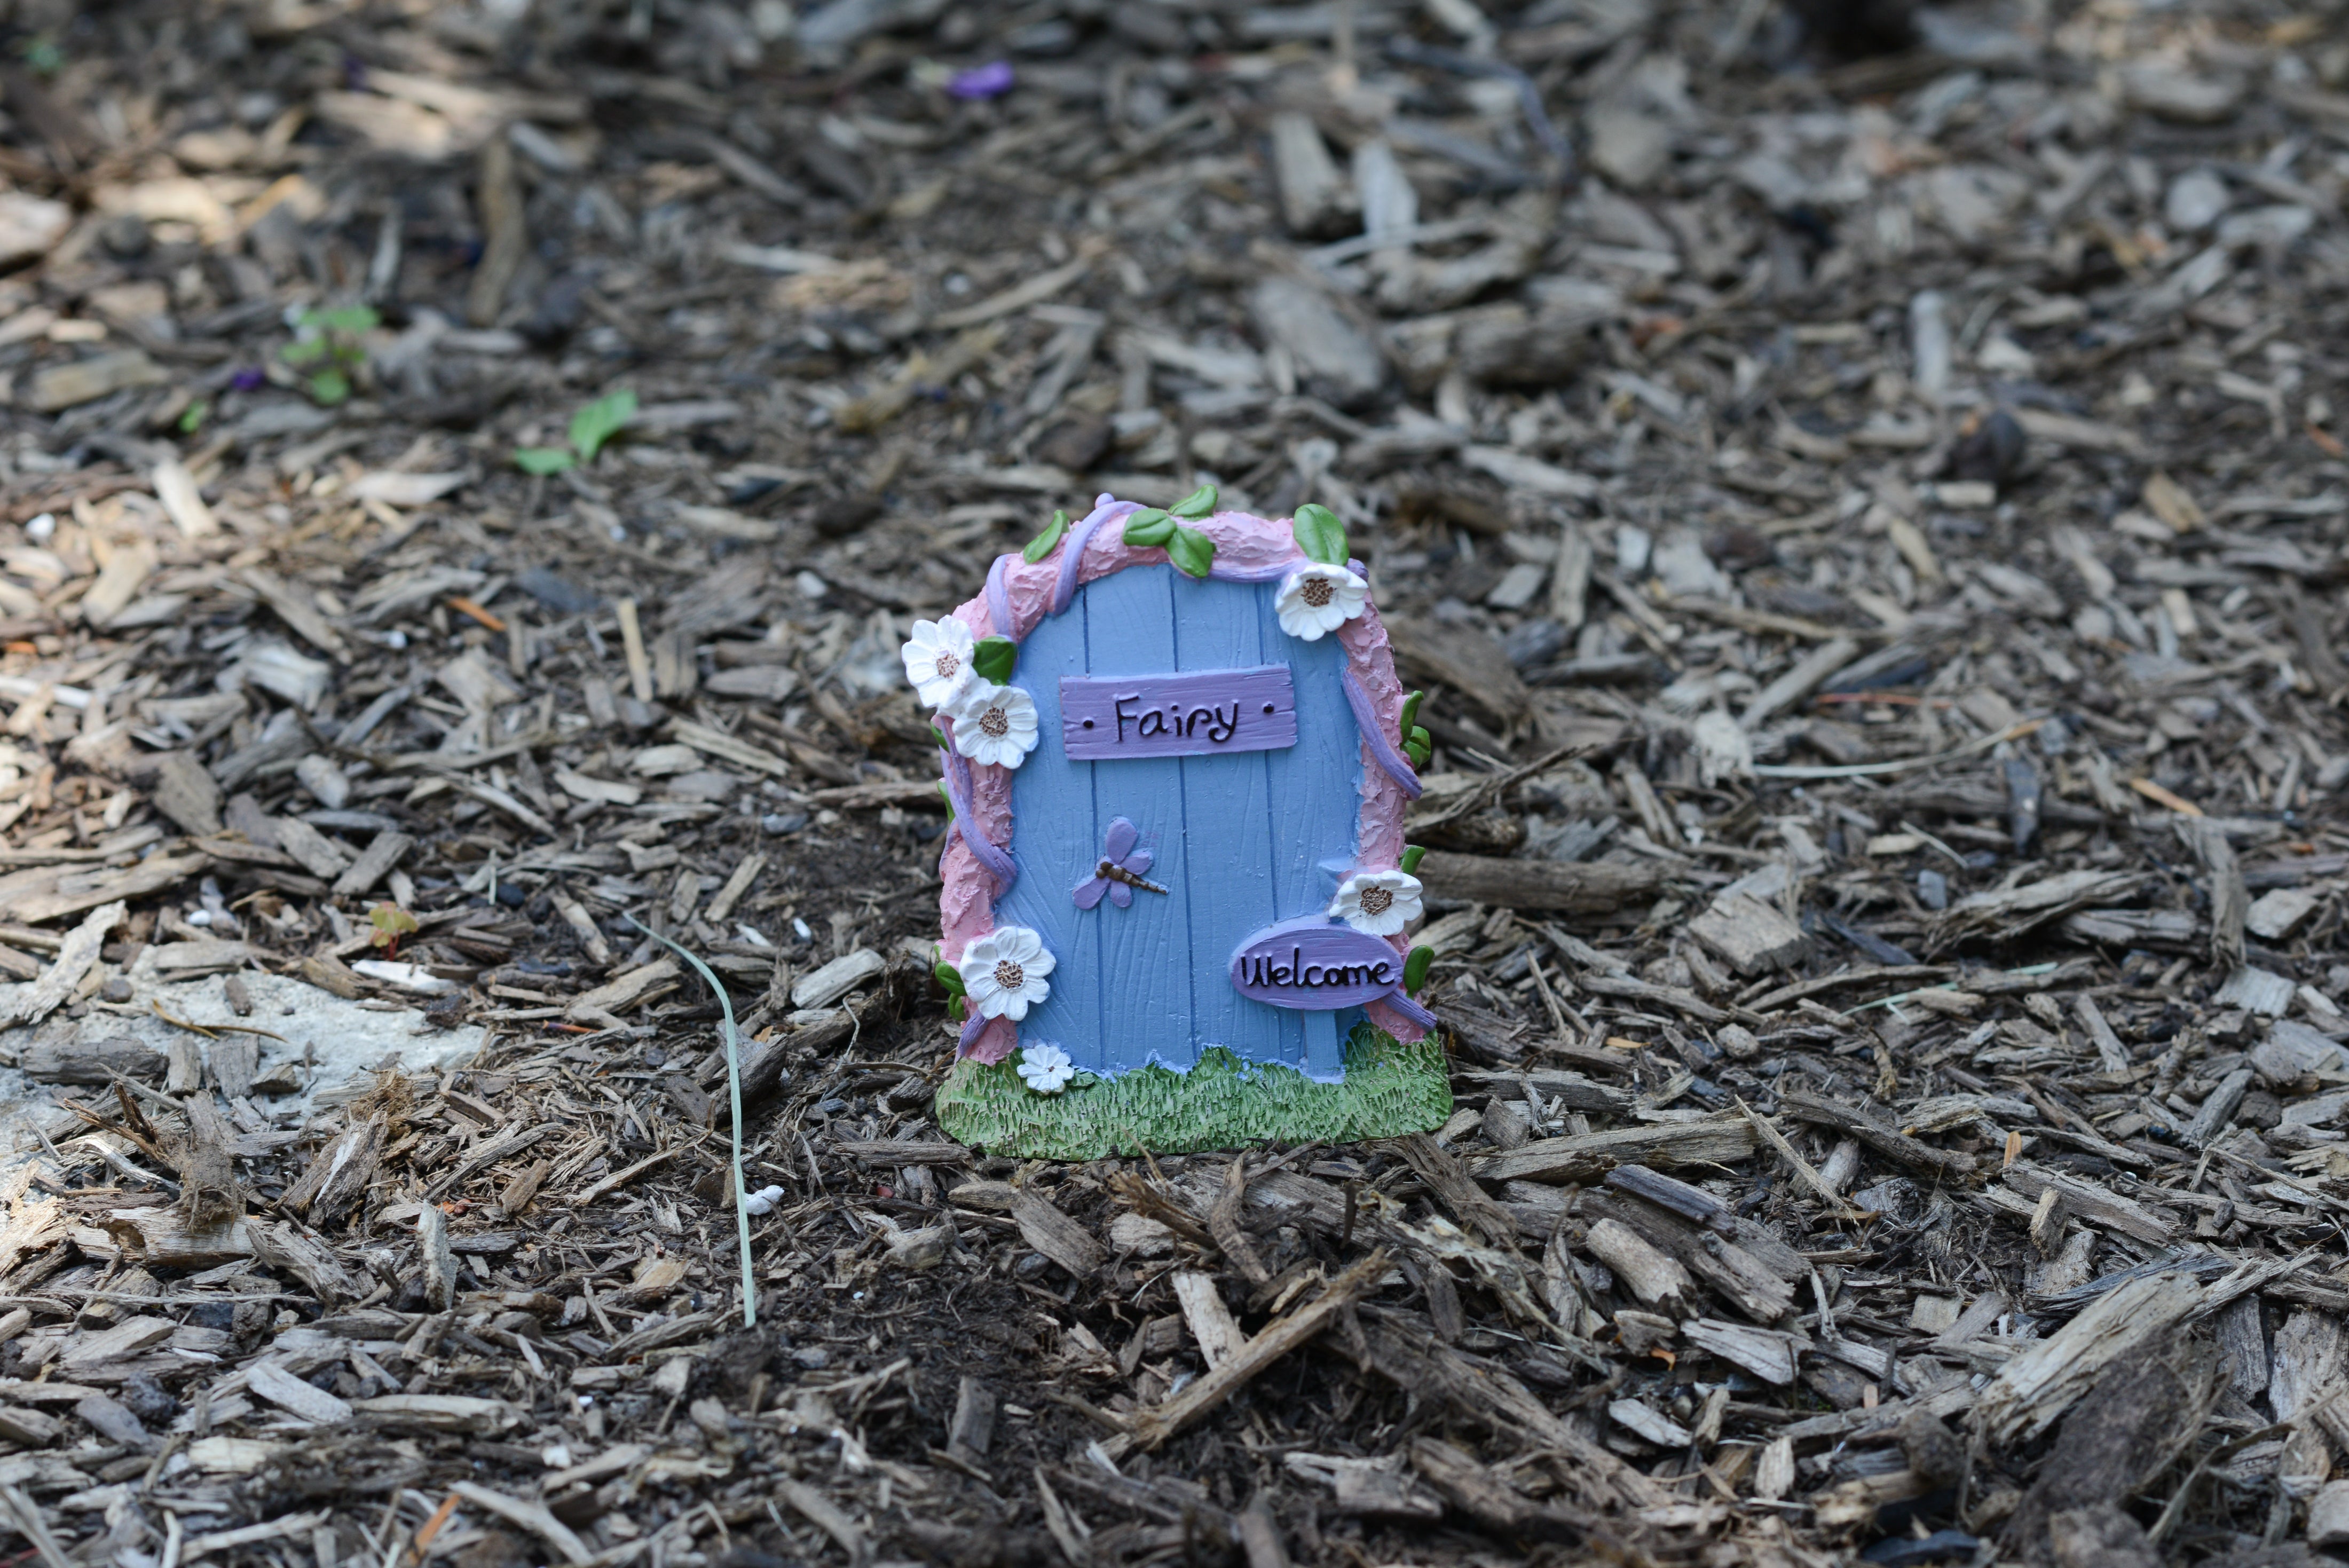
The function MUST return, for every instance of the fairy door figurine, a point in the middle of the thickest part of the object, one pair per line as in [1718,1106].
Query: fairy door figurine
[1177,890]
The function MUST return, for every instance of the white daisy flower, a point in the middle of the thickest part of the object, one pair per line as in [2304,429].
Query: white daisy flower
[1377,903]
[938,660]
[1316,598]
[1046,1069]
[1003,972]
[995,724]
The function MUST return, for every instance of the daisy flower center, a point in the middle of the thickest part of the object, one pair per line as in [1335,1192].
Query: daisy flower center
[1318,592]
[993,722]
[946,665]
[1376,900]
[1010,975]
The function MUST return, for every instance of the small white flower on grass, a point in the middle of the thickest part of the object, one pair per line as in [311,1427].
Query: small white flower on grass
[995,724]
[1046,1068]
[1316,598]
[1377,903]
[1003,972]
[938,660]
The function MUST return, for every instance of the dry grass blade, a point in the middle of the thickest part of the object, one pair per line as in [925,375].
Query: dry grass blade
[734,1087]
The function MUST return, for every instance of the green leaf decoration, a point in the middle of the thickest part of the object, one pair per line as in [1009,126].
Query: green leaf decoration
[1149,527]
[1196,506]
[1044,544]
[995,659]
[955,1008]
[329,386]
[1320,534]
[600,421]
[1410,712]
[541,459]
[940,737]
[1412,856]
[1191,551]
[1416,968]
[949,977]
[946,795]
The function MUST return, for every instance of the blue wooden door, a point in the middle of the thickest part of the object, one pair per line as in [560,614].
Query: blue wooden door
[1241,840]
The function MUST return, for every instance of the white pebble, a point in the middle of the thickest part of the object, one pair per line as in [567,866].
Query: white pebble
[763,1201]
[2195,199]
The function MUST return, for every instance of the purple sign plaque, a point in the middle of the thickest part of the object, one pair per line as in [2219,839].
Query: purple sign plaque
[1311,966]
[1190,715]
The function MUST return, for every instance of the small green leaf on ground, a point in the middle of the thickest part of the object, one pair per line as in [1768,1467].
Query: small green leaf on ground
[390,923]
[600,421]
[350,319]
[541,459]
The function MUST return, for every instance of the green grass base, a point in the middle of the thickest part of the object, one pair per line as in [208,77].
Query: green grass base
[1390,1088]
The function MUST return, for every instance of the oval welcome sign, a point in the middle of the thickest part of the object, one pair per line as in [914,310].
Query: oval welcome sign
[1308,965]
[1176,897]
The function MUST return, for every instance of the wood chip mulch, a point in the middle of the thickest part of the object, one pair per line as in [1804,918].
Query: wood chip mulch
[1863,488]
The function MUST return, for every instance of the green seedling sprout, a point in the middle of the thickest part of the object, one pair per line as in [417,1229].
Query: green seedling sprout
[591,427]
[734,1093]
[327,344]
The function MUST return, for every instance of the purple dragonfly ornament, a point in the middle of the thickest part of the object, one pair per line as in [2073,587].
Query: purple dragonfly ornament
[1121,868]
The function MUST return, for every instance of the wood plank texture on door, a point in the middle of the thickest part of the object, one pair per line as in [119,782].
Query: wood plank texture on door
[1242,840]
[1148,979]
[1228,814]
